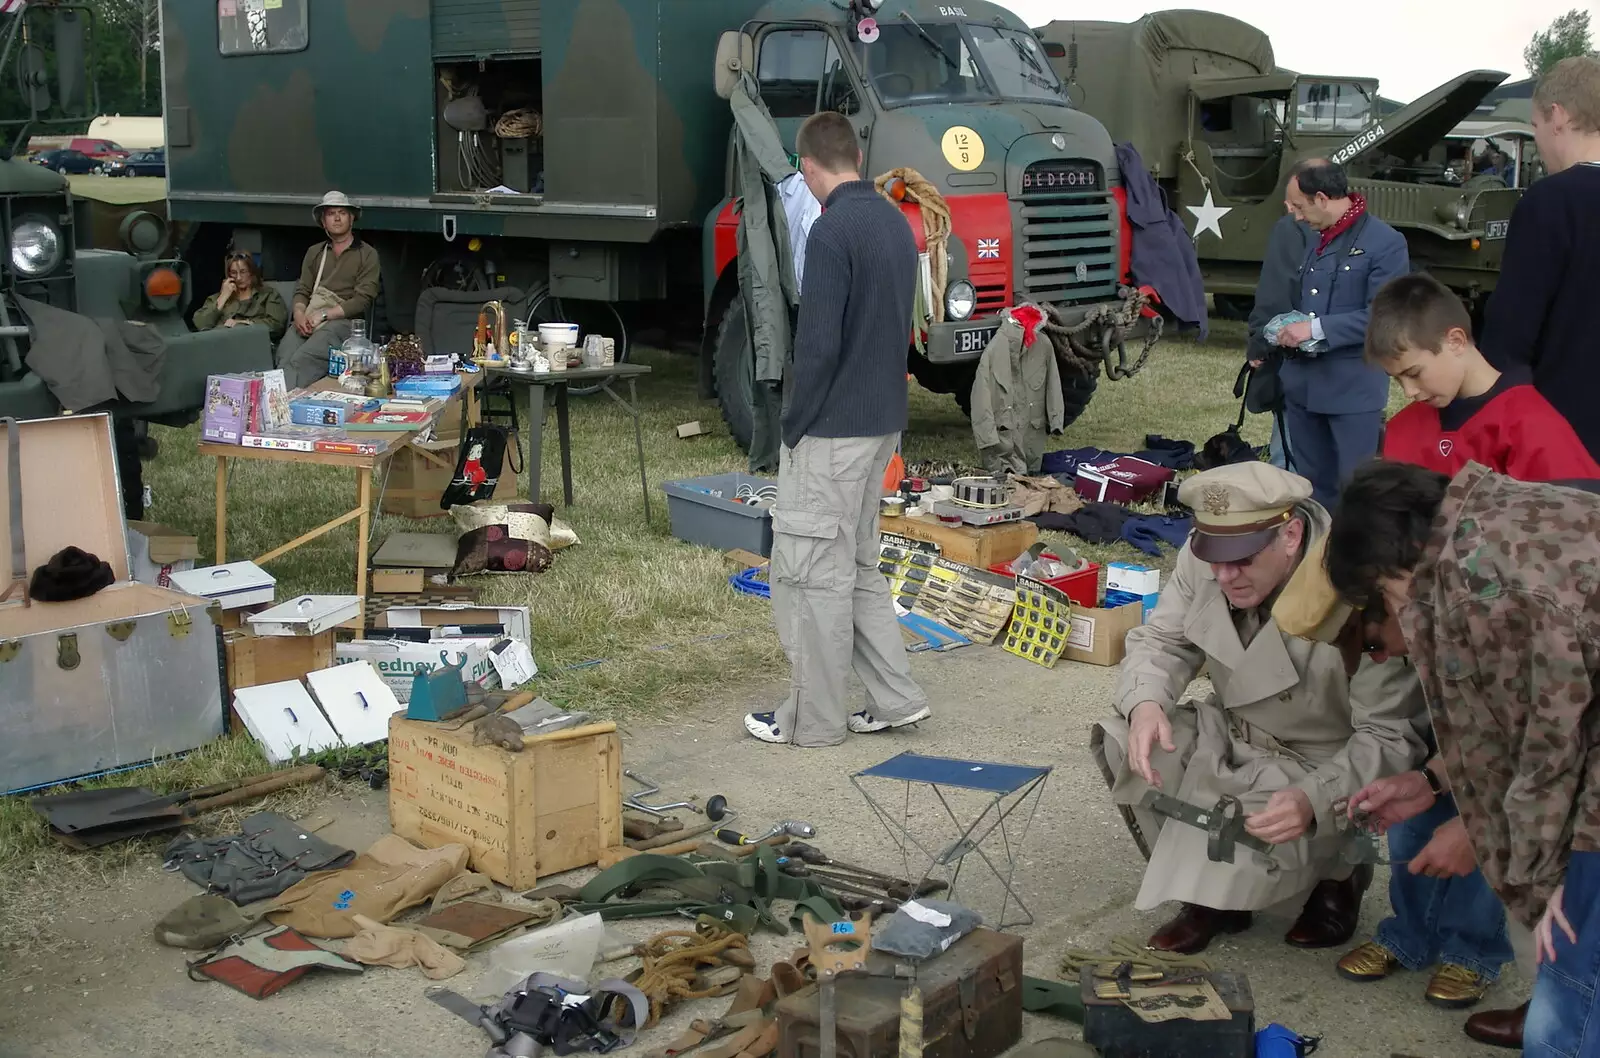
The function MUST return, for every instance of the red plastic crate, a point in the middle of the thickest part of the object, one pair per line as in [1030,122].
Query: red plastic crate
[1082,587]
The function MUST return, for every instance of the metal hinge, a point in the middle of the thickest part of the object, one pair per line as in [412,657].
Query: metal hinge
[120,630]
[67,655]
[9,649]
[967,986]
[179,623]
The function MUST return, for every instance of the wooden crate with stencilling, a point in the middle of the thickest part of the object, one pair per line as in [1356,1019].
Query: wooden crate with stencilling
[522,816]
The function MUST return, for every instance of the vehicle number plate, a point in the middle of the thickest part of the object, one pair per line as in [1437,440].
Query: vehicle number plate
[1496,229]
[974,340]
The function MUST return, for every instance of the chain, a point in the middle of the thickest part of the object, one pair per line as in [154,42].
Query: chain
[1114,322]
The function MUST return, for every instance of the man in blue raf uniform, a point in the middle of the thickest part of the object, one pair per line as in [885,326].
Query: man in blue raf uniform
[1333,400]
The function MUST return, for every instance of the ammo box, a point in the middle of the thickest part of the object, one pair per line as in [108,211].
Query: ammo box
[971,1004]
[522,816]
[125,675]
[1117,1032]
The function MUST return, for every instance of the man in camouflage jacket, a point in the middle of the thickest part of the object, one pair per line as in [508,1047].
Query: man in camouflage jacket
[1492,586]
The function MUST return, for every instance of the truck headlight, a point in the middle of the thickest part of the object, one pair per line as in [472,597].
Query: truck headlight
[35,247]
[959,300]
[1463,213]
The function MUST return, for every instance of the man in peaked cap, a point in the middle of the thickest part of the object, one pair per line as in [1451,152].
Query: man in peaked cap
[1285,730]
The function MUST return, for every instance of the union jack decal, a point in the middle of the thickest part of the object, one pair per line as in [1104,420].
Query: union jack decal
[988,248]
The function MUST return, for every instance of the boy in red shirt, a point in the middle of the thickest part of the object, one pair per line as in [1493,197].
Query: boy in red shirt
[1462,410]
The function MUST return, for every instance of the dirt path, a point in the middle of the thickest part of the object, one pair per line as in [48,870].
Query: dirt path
[100,984]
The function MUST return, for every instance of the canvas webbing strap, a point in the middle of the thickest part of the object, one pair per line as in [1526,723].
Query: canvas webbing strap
[19,554]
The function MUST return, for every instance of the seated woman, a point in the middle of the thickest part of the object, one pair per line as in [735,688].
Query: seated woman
[244,299]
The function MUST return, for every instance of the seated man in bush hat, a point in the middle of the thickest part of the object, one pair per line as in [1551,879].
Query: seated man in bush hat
[1286,730]
[338,283]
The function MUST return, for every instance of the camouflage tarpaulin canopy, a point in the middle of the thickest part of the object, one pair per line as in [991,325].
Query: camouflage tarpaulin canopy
[1144,96]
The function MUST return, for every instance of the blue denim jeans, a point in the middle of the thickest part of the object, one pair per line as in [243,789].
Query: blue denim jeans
[1564,1015]
[1275,452]
[1441,920]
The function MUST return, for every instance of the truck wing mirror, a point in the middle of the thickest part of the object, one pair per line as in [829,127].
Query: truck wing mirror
[71,70]
[736,53]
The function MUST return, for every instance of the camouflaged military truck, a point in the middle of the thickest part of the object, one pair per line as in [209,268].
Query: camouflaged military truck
[1221,126]
[44,49]
[578,148]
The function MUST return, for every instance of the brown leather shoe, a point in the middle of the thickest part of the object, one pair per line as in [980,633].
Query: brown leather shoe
[1499,1028]
[1331,912]
[1195,927]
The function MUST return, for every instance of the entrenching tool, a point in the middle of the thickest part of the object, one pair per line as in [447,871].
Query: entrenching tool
[899,892]
[169,812]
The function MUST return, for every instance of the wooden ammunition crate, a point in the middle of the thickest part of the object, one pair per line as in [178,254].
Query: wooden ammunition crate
[522,816]
[254,660]
[971,545]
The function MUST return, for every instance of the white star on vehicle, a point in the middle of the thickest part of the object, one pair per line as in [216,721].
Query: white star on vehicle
[1208,217]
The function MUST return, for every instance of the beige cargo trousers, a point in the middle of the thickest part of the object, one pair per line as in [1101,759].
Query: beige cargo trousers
[830,602]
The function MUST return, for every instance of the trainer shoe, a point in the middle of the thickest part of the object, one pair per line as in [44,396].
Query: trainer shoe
[1370,962]
[862,723]
[1454,987]
[765,727]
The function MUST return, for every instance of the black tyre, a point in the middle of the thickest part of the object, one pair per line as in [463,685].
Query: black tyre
[733,362]
[954,379]
[1233,306]
[1077,390]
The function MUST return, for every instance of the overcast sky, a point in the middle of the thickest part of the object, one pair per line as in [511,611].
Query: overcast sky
[1410,46]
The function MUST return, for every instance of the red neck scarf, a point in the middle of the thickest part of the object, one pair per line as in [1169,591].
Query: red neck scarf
[1030,317]
[1358,206]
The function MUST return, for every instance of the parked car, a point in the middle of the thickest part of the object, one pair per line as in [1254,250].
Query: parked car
[139,163]
[67,161]
[101,150]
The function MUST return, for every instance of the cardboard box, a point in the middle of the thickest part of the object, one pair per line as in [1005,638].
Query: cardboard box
[420,471]
[156,552]
[1133,579]
[1096,635]
[398,661]
[970,545]
[514,619]
[397,581]
[522,816]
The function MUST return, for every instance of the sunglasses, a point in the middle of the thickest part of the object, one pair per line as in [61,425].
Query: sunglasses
[240,255]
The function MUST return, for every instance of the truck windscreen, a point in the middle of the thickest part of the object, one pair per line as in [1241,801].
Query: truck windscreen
[948,62]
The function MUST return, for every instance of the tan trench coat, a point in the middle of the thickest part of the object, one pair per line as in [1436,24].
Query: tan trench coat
[1283,714]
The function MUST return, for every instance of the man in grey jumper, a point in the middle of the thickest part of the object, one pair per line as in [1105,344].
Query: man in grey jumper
[844,407]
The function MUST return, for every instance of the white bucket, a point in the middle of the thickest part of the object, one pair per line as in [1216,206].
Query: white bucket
[558,335]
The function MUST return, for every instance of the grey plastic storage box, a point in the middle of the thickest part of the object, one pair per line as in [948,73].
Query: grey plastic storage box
[698,517]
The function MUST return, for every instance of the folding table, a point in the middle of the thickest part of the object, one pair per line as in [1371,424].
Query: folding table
[1008,786]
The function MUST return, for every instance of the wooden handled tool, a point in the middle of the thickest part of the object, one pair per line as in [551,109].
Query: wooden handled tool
[282,781]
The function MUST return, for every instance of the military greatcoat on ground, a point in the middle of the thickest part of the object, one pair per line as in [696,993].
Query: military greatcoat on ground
[1283,713]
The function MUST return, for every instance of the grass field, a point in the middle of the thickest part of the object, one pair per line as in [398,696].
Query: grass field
[630,621]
